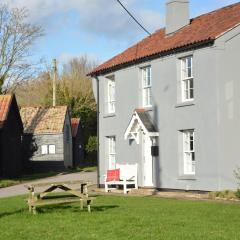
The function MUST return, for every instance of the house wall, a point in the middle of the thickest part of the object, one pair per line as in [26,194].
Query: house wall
[216,153]
[34,161]
[228,106]
[10,144]
[47,139]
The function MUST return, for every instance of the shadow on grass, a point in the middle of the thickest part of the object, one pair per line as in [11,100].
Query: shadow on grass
[50,209]
[6,214]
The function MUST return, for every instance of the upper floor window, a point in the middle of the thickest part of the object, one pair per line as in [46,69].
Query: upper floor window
[146,86]
[188,152]
[111,100]
[187,78]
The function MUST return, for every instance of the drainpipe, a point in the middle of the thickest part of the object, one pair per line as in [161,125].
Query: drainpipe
[98,137]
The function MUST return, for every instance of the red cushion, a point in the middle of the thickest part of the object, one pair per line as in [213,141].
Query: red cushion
[113,175]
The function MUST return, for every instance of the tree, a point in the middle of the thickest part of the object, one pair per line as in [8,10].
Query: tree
[16,39]
[73,88]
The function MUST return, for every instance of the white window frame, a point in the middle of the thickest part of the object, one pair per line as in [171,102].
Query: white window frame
[51,149]
[187,79]
[47,149]
[44,149]
[111,96]
[111,152]
[146,73]
[189,161]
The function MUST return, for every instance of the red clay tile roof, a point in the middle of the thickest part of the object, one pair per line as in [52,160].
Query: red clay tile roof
[5,102]
[75,123]
[201,30]
[40,120]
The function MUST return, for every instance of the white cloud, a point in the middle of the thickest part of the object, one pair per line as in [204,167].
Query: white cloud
[102,18]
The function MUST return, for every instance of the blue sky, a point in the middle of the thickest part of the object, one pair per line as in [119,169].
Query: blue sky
[98,28]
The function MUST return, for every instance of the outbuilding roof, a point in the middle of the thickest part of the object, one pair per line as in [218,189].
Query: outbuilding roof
[5,102]
[41,120]
[75,123]
[202,30]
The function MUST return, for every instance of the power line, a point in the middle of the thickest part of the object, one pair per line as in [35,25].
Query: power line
[134,18]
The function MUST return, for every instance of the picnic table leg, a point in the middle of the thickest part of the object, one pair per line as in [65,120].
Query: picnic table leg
[81,204]
[88,205]
[85,190]
[34,210]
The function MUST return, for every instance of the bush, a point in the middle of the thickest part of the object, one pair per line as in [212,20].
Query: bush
[227,194]
[237,193]
[92,144]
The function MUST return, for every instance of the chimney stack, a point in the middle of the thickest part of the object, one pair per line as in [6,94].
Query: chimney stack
[177,15]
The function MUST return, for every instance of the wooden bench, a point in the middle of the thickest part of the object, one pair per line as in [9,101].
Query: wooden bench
[41,199]
[124,174]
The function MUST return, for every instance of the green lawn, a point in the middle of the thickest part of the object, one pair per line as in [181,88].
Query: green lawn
[122,218]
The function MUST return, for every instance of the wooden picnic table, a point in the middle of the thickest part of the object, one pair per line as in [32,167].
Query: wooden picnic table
[76,195]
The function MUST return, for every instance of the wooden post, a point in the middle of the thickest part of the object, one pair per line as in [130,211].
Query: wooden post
[54,81]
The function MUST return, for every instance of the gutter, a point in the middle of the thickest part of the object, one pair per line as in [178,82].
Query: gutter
[98,137]
[187,47]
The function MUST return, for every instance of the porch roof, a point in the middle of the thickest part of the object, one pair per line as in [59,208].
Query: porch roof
[141,120]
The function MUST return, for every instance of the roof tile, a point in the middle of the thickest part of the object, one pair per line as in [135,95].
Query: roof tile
[75,123]
[201,29]
[5,102]
[40,120]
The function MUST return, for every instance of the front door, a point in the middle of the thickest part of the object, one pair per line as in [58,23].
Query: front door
[147,162]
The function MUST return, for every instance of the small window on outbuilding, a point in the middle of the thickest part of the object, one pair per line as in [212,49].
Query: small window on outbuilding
[44,149]
[52,149]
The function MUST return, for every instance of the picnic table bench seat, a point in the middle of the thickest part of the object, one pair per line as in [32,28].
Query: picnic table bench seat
[124,174]
[43,198]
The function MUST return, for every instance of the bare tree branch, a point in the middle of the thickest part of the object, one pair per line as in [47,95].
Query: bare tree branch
[16,39]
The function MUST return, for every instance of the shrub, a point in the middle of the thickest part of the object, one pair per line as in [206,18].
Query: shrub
[227,194]
[237,193]
[92,144]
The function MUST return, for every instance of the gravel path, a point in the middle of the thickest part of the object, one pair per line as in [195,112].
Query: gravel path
[20,189]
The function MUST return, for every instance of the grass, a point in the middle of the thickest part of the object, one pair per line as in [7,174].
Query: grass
[36,176]
[114,217]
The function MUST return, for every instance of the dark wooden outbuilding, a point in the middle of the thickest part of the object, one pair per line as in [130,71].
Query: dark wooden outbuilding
[11,130]
[78,144]
[47,139]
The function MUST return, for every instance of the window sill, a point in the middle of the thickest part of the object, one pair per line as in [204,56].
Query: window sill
[109,115]
[187,177]
[185,104]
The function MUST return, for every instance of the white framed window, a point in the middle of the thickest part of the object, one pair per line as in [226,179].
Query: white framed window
[187,79]
[111,96]
[44,149]
[188,152]
[112,152]
[146,86]
[48,149]
[52,149]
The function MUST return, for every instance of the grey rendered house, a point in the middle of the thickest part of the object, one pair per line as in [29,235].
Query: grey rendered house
[47,140]
[171,102]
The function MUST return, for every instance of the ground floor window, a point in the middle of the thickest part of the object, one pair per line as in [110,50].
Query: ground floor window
[112,152]
[188,152]
[48,149]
